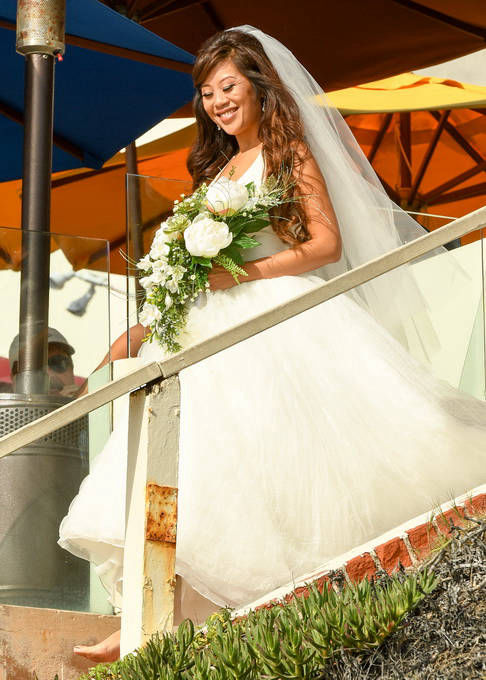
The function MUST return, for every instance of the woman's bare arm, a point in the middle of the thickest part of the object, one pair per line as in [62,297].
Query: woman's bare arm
[323,247]
[119,350]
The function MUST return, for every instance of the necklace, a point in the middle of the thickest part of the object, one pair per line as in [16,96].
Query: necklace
[234,165]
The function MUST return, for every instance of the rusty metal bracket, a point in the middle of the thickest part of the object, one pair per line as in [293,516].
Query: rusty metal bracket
[161,513]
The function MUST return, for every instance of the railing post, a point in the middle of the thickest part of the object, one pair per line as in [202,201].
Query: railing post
[151,521]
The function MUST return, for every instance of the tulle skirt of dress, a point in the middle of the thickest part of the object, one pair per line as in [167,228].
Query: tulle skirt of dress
[295,446]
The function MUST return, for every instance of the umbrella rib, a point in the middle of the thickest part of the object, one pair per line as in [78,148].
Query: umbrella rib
[62,181]
[391,192]
[131,8]
[213,15]
[432,195]
[183,5]
[462,141]
[428,155]
[379,137]
[116,51]
[70,148]
[460,194]
[153,10]
[126,53]
[443,18]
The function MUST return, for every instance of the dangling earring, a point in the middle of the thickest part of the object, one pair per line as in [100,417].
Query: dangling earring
[218,128]
[263,106]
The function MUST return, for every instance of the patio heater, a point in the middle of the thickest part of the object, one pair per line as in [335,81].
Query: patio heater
[38,481]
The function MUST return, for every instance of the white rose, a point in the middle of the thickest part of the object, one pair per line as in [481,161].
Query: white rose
[149,314]
[206,237]
[226,197]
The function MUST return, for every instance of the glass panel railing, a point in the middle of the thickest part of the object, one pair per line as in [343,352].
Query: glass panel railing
[150,201]
[451,282]
[39,481]
[473,375]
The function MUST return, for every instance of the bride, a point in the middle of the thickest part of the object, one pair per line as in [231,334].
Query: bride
[322,432]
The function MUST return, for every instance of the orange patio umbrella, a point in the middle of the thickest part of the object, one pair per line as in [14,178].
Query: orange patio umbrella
[92,204]
[426,139]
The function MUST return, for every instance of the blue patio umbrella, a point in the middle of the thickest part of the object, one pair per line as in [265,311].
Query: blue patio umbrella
[103,100]
[116,80]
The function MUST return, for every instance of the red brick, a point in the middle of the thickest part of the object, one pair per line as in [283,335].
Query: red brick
[269,605]
[423,538]
[303,591]
[361,567]
[391,552]
[476,505]
[323,580]
[444,519]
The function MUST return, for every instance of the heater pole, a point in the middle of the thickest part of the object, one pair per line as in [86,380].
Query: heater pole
[40,37]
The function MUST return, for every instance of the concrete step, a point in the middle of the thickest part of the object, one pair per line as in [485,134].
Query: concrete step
[41,641]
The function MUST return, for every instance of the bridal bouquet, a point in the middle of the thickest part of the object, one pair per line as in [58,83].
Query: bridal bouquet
[212,226]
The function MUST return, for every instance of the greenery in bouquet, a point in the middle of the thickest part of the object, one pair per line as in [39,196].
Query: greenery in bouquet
[211,227]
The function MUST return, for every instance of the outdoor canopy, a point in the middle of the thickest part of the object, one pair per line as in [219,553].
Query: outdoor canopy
[103,100]
[341,43]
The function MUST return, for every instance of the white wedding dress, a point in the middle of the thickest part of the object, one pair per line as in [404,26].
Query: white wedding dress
[295,446]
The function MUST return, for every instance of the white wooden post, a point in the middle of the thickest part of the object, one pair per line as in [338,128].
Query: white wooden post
[150,543]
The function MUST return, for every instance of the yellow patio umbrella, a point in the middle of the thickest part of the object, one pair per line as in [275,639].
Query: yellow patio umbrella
[426,139]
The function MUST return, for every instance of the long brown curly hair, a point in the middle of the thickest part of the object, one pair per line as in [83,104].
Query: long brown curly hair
[281,130]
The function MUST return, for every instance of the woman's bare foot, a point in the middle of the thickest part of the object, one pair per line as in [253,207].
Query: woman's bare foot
[107,650]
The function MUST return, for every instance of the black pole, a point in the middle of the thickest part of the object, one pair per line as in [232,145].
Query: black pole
[32,375]
[134,215]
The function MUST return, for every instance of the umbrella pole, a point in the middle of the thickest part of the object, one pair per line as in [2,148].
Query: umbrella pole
[32,377]
[405,156]
[134,214]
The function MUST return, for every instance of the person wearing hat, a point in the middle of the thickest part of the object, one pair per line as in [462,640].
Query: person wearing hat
[59,363]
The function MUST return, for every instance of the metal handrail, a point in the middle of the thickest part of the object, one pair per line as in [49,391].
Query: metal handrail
[171,366]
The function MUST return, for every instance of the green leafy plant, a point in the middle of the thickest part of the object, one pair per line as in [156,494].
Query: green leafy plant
[289,641]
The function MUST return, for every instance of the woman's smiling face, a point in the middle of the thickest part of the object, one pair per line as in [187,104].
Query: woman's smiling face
[230,100]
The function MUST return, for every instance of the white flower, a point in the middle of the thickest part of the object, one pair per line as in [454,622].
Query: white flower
[206,237]
[159,236]
[144,263]
[168,301]
[159,249]
[226,197]
[160,265]
[178,272]
[147,282]
[158,276]
[149,314]
[172,286]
